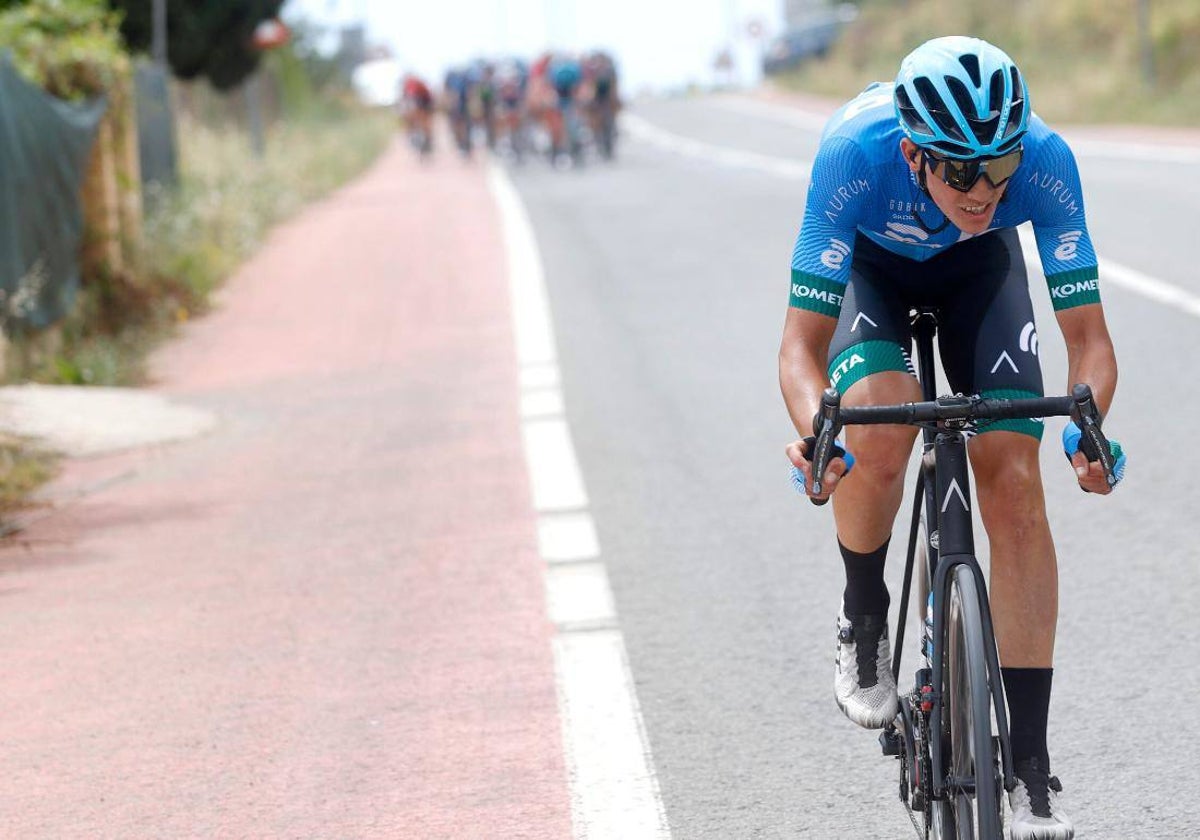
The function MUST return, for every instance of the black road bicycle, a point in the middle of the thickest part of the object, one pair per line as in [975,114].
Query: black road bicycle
[951,733]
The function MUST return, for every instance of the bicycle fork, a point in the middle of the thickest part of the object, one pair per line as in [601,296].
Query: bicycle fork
[956,548]
[917,744]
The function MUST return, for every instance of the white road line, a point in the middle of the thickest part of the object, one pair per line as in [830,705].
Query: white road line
[1150,287]
[614,792]
[1084,146]
[579,592]
[553,468]
[536,375]
[532,325]
[541,402]
[567,537]
[787,114]
[1127,278]
[677,144]
[1120,150]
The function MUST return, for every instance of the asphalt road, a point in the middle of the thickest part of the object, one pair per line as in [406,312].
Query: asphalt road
[668,278]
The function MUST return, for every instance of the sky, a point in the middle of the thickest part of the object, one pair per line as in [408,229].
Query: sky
[658,44]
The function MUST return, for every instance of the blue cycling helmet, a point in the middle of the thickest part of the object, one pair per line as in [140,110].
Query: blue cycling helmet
[962,97]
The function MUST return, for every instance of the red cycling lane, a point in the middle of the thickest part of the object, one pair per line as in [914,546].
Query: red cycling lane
[326,618]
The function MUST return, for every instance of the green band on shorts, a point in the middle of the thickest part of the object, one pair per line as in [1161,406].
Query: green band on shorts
[863,359]
[816,294]
[1074,288]
[1033,428]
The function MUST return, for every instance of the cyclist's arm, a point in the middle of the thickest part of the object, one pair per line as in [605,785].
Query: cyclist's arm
[820,271]
[1069,260]
[802,378]
[802,359]
[1090,354]
[1090,359]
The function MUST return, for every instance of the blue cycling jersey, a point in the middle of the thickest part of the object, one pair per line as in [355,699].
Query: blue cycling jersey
[861,183]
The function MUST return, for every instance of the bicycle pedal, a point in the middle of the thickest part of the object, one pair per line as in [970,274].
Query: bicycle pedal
[889,742]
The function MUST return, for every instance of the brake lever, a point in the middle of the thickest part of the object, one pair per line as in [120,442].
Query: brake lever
[826,426]
[1093,443]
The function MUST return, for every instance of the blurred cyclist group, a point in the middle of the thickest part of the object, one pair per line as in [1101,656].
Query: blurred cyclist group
[559,106]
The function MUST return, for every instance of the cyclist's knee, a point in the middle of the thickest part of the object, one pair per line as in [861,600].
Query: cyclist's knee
[1008,480]
[1005,458]
[884,387]
[882,451]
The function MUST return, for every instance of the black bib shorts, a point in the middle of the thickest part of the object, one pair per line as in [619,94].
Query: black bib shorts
[986,333]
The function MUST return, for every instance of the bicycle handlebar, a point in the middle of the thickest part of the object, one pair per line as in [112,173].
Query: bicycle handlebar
[1080,407]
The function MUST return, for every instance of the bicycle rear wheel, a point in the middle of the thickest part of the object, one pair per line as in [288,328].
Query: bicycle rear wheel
[974,800]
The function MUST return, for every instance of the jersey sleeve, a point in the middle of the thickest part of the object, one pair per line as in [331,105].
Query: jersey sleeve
[837,192]
[1056,209]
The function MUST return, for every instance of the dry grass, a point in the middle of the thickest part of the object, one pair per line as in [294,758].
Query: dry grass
[194,237]
[1081,58]
[24,467]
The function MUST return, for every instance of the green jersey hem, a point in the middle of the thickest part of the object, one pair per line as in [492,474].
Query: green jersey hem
[816,293]
[1069,289]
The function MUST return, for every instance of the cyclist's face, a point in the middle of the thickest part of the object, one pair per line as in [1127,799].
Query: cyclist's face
[971,211]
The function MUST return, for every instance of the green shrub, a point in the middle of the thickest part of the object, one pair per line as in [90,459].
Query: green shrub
[70,48]
[196,235]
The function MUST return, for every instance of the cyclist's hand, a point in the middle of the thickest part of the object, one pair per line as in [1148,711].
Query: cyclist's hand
[800,451]
[1091,475]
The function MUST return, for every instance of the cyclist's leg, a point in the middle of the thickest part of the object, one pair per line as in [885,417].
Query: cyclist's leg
[991,346]
[869,364]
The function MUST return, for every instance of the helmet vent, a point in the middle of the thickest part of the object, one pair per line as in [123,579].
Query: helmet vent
[1016,111]
[937,109]
[996,93]
[970,63]
[953,149]
[911,116]
[962,98]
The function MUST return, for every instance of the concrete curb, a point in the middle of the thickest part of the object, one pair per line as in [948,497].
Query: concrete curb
[84,422]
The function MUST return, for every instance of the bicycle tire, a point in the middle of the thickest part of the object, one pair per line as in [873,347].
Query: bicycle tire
[940,822]
[968,708]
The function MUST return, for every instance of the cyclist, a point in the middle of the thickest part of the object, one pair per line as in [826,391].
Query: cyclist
[456,90]
[417,110]
[916,191]
[565,74]
[482,76]
[600,78]
[512,80]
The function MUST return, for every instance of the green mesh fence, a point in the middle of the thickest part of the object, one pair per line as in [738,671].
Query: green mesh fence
[155,126]
[44,148]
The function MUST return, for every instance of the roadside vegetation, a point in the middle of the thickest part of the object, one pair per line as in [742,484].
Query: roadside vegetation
[24,467]
[1083,60]
[198,231]
[194,232]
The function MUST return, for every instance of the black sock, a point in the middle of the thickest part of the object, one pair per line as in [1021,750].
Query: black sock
[1028,693]
[866,593]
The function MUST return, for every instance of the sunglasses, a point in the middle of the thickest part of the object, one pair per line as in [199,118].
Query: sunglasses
[962,174]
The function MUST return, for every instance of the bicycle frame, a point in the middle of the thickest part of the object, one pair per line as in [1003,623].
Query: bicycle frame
[943,487]
[952,544]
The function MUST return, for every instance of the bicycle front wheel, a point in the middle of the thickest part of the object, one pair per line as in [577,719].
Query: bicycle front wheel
[973,788]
